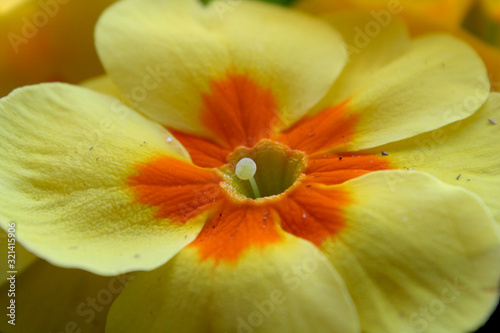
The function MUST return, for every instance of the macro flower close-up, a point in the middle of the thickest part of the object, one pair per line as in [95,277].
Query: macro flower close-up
[256,169]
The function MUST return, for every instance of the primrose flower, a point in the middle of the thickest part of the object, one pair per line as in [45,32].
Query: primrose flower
[263,184]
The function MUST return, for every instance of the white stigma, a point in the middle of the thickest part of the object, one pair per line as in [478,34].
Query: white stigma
[246,168]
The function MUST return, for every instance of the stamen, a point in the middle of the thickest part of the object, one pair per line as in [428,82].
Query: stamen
[245,169]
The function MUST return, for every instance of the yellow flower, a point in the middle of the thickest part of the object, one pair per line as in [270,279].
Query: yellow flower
[422,17]
[47,40]
[263,187]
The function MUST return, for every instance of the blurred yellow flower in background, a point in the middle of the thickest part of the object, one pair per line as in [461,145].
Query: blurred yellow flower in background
[427,16]
[449,13]
[492,7]
[48,40]
[484,21]
[55,299]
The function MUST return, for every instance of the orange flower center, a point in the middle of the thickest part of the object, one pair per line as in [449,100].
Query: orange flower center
[278,168]
[294,172]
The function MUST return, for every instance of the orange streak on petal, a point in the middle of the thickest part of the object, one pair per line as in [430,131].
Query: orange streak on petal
[178,189]
[313,213]
[329,129]
[236,229]
[203,152]
[336,169]
[239,111]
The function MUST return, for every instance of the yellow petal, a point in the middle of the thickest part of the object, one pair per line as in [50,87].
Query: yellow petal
[169,54]
[439,80]
[465,153]
[286,287]
[103,84]
[54,299]
[417,255]
[67,153]
[367,54]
